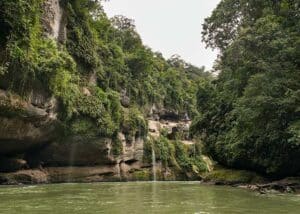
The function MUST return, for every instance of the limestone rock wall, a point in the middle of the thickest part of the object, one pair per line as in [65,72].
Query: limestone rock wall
[23,125]
[34,149]
[54,22]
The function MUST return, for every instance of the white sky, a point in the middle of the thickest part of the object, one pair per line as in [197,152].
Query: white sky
[169,26]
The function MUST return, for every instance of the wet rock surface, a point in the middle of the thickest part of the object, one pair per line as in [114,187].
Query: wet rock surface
[287,185]
[23,125]
[74,151]
[53,20]
[252,181]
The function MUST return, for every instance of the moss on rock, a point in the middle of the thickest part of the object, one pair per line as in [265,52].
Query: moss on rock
[142,175]
[231,177]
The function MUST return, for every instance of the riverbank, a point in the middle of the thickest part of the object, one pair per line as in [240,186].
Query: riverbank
[252,181]
[219,177]
[94,174]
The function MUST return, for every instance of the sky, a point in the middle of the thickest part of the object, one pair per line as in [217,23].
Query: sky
[170,26]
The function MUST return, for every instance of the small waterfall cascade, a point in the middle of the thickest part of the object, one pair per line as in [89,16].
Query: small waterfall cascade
[194,150]
[153,165]
[71,163]
[119,174]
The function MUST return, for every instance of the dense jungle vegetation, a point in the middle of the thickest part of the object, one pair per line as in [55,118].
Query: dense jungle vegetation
[103,76]
[250,115]
[107,50]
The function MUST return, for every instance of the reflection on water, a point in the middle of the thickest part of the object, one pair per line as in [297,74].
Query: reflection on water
[153,165]
[141,197]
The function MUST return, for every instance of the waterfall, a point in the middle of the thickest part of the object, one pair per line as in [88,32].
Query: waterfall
[119,171]
[194,150]
[153,165]
[71,163]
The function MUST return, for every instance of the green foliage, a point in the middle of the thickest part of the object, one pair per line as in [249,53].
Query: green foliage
[84,127]
[117,146]
[28,56]
[134,124]
[102,108]
[142,175]
[125,34]
[100,60]
[231,177]
[163,150]
[186,158]
[12,106]
[126,64]
[19,20]
[146,77]
[251,111]
[82,42]
[189,157]
[2,70]
[147,150]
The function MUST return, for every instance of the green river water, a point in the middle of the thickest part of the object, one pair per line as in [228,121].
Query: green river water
[141,197]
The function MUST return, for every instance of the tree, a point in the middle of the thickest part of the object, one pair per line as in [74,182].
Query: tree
[253,108]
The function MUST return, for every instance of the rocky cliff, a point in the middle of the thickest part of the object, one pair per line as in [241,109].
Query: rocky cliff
[64,118]
[33,150]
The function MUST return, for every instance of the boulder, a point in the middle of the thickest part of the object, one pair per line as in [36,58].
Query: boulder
[34,176]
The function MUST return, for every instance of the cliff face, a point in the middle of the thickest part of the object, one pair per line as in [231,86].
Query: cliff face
[60,119]
[32,150]
[54,20]
[24,125]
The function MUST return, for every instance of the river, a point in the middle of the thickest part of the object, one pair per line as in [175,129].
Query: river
[140,198]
